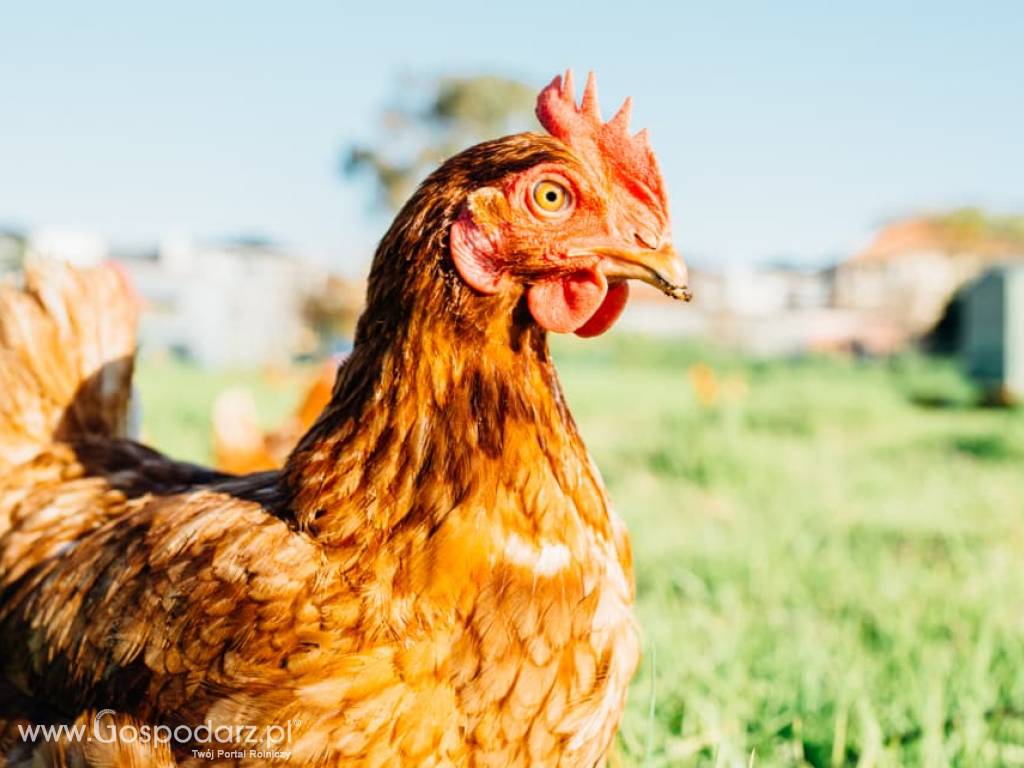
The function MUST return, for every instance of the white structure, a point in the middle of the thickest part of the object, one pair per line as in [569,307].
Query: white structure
[231,304]
[81,249]
[913,287]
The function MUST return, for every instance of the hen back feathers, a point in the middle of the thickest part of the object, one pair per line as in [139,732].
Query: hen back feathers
[67,343]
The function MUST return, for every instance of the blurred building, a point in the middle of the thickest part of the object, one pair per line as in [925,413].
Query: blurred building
[768,310]
[234,303]
[773,289]
[83,249]
[240,302]
[912,269]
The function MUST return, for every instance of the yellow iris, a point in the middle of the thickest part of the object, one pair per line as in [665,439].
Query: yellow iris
[550,196]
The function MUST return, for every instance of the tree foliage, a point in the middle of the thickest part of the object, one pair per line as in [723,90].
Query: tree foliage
[429,120]
[974,230]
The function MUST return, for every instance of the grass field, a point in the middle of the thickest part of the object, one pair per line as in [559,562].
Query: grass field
[829,554]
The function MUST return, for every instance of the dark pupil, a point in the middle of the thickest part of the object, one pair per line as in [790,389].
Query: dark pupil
[551,195]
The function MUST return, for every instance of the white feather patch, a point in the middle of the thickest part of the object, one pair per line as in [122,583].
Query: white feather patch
[545,560]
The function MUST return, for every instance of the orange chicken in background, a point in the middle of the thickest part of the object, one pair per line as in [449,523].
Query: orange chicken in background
[241,446]
[434,578]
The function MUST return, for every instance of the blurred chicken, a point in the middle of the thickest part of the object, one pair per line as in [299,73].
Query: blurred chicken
[711,389]
[241,446]
[435,577]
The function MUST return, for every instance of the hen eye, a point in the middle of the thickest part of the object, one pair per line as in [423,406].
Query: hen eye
[550,196]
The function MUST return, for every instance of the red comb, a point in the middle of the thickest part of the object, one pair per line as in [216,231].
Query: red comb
[580,127]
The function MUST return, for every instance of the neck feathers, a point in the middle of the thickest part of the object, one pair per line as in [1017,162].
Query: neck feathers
[449,401]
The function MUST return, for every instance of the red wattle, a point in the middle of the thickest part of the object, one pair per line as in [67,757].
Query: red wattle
[582,302]
[606,314]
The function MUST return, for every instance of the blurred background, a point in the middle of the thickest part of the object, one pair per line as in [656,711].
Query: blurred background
[820,459]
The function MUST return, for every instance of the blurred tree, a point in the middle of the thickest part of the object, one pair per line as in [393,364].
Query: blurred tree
[332,309]
[972,230]
[1011,228]
[427,122]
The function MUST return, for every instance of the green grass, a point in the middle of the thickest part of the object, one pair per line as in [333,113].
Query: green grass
[829,559]
[177,400]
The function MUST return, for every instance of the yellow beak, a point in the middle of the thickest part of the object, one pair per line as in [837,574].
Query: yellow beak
[662,267]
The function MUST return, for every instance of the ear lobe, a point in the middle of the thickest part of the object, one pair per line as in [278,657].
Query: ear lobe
[475,254]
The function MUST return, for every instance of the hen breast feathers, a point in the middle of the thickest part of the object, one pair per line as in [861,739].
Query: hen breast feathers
[435,578]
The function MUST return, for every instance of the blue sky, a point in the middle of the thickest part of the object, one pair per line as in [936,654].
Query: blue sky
[785,129]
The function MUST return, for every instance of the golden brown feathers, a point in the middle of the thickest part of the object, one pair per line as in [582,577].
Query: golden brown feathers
[67,342]
[435,578]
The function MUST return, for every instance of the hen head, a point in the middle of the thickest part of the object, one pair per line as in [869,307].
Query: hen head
[571,229]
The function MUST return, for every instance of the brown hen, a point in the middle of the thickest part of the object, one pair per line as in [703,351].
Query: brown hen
[435,577]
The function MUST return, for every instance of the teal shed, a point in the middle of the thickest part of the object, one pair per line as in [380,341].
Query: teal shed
[993,339]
